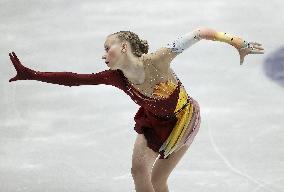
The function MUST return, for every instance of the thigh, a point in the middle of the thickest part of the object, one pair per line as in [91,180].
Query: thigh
[163,167]
[143,157]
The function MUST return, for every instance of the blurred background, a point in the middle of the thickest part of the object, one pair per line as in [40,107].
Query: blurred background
[57,138]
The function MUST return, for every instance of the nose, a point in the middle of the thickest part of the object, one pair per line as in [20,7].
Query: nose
[103,57]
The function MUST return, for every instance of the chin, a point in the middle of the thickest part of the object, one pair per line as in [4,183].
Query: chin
[113,67]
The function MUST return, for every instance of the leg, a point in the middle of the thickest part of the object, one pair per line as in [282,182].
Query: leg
[163,167]
[143,159]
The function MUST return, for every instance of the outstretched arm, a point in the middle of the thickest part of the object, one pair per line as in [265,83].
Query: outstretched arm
[171,50]
[244,48]
[61,78]
[69,78]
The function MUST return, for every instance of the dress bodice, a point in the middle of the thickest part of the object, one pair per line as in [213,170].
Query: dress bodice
[163,106]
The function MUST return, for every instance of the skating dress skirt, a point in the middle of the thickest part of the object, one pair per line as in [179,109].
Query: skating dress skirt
[164,132]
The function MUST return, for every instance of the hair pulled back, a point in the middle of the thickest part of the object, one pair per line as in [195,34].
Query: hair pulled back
[138,46]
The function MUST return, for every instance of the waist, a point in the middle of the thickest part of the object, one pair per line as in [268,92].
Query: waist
[173,115]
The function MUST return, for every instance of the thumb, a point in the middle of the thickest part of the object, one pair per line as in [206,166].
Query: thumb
[13,79]
[241,59]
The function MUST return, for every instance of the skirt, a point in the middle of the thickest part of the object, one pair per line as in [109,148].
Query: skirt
[157,129]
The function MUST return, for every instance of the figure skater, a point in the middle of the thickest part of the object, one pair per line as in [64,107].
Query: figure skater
[168,118]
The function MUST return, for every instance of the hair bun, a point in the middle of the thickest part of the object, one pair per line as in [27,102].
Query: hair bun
[144,46]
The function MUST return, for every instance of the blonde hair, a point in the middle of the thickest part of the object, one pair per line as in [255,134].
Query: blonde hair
[138,46]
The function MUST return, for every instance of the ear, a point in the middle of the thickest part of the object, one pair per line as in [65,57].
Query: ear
[124,45]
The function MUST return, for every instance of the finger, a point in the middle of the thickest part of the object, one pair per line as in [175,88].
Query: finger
[15,56]
[256,52]
[256,43]
[12,59]
[10,55]
[241,60]
[256,47]
[15,63]
[13,79]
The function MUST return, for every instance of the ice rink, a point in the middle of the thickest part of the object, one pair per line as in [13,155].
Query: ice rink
[55,138]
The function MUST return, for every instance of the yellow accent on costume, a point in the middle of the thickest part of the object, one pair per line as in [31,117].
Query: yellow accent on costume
[163,90]
[184,116]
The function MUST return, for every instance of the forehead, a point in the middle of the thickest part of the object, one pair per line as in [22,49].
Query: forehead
[110,40]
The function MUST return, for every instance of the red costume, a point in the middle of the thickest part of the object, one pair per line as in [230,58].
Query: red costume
[155,118]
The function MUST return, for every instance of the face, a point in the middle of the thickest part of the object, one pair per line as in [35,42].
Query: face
[113,48]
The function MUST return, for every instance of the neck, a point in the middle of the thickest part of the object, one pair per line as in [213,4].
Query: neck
[133,69]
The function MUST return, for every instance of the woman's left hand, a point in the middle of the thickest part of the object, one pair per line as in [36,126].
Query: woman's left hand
[251,48]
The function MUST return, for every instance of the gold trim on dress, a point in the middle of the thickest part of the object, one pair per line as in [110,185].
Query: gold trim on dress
[184,117]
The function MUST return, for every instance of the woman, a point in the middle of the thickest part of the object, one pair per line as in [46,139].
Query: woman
[168,119]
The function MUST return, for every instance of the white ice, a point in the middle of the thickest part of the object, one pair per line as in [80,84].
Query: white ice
[60,139]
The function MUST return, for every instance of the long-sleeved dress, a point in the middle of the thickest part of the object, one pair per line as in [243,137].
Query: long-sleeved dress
[163,121]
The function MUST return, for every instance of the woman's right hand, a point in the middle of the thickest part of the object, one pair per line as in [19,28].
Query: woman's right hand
[23,73]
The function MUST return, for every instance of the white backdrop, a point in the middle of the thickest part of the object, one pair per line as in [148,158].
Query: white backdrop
[57,138]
